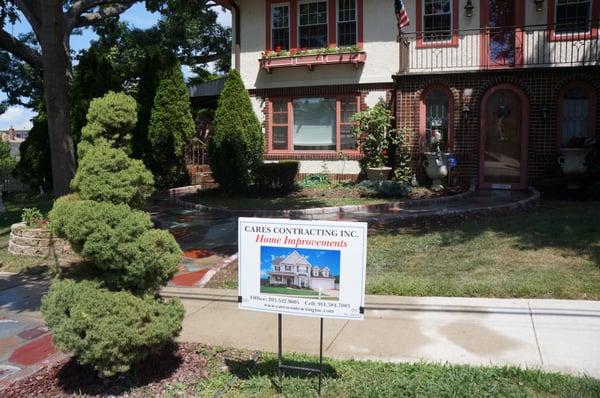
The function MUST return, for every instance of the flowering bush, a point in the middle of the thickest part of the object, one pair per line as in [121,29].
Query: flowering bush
[374,134]
[33,218]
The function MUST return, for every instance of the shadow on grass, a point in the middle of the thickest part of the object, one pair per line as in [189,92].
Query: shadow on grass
[571,227]
[77,379]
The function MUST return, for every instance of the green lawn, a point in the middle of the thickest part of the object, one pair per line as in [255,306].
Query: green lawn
[376,379]
[14,205]
[289,291]
[553,252]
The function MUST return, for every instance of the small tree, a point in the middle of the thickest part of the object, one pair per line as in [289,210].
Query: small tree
[171,127]
[374,134]
[236,144]
[116,319]
[34,166]
[7,161]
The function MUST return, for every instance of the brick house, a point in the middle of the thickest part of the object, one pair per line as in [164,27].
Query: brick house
[509,82]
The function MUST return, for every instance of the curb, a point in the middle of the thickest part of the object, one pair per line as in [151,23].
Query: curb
[175,194]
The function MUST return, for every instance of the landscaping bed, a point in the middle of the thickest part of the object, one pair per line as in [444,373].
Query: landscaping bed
[333,195]
[203,371]
[552,251]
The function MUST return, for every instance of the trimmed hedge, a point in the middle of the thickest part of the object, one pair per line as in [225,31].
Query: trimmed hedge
[108,330]
[276,178]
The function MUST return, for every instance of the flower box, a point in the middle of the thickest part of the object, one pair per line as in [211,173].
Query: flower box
[312,60]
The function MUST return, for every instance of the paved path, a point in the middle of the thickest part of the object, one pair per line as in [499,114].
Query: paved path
[554,335]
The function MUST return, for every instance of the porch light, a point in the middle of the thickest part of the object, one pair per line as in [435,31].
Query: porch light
[539,5]
[466,112]
[469,8]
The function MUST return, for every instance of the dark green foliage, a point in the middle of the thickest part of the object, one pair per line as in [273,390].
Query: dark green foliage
[108,174]
[385,189]
[403,169]
[171,127]
[34,167]
[106,329]
[119,242]
[236,144]
[7,161]
[116,320]
[276,178]
[592,162]
[93,77]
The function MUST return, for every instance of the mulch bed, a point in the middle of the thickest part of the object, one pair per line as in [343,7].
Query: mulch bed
[179,364]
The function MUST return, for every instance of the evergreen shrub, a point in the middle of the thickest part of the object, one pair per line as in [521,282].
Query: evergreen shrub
[276,178]
[236,143]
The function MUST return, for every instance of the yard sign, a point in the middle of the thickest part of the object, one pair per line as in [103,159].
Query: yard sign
[310,268]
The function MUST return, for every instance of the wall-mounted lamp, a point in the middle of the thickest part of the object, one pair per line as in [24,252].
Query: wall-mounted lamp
[466,112]
[469,8]
[539,5]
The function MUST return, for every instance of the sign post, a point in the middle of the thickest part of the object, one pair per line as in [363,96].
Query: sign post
[305,268]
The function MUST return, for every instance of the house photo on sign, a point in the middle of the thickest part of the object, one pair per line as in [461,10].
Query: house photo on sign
[311,268]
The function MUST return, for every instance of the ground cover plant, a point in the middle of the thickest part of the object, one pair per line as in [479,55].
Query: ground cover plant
[111,317]
[204,371]
[15,204]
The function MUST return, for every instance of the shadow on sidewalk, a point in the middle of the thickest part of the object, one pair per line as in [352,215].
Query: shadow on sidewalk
[23,292]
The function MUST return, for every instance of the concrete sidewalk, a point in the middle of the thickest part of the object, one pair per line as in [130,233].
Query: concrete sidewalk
[552,335]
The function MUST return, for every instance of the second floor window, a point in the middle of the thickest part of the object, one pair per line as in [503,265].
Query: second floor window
[347,25]
[437,20]
[280,23]
[312,24]
[573,16]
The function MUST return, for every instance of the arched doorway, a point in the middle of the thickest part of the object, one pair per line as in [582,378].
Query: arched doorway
[504,131]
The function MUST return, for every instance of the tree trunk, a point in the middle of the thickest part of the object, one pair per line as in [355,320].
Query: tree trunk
[57,71]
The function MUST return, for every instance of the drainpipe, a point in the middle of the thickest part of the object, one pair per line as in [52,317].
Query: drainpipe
[238,35]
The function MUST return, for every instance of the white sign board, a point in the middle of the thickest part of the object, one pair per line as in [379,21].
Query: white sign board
[310,268]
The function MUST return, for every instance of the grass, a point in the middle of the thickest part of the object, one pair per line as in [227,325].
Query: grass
[282,203]
[290,291]
[14,205]
[377,379]
[553,252]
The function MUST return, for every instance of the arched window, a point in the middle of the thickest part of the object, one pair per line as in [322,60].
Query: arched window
[576,114]
[437,109]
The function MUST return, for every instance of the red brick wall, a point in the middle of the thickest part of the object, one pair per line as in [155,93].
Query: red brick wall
[541,86]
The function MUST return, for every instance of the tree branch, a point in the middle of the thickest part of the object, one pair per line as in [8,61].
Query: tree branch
[203,59]
[31,12]
[78,17]
[20,49]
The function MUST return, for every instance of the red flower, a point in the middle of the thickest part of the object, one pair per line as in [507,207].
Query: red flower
[384,152]
[278,49]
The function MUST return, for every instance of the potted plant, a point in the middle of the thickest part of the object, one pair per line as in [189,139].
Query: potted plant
[571,158]
[436,162]
[374,135]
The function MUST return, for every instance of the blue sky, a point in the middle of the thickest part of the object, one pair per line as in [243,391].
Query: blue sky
[321,258]
[20,118]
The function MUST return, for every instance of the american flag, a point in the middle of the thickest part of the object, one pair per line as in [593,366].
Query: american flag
[401,15]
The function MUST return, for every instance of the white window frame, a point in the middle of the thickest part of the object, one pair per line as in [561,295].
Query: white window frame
[591,2]
[289,27]
[452,27]
[337,22]
[301,2]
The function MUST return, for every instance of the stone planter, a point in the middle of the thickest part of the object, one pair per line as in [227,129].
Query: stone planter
[39,242]
[378,173]
[572,160]
[436,167]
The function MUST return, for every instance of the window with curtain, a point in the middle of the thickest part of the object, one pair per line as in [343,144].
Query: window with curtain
[437,20]
[573,16]
[576,114]
[436,113]
[312,24]
[280,26]
[347,25]
[314,124]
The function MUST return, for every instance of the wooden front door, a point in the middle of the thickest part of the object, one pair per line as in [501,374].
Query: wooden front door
[503,155]
[502,37]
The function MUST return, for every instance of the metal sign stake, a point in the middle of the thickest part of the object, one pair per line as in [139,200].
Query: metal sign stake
[281,367]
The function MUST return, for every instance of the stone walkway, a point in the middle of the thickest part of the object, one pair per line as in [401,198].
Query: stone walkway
[552,335]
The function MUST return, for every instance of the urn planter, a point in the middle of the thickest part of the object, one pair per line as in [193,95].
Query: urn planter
[572,160]
[378,173]
[436,166]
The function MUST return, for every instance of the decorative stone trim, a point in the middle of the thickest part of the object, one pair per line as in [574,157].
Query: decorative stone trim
[39,242]
[341,210]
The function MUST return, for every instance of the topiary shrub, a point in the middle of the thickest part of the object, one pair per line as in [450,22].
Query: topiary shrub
[115,319]
[106,329]
[236,143]
[108,174]
[171,127]
[276,178]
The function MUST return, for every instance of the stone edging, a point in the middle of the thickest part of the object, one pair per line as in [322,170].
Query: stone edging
[38,242]
[176,193]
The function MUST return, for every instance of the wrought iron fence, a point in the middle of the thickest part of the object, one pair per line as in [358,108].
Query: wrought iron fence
[506,47]
[195,154]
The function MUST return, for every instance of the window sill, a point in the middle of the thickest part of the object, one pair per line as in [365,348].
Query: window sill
[310,61]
